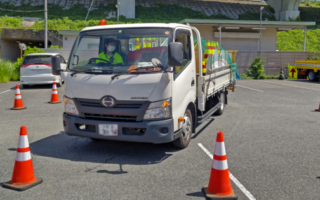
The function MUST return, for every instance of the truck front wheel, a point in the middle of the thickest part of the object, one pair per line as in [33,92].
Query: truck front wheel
[184,140]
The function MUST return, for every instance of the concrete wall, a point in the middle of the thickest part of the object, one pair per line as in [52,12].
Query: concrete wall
[206,32]
[127,8]
[64,52]
[68,41]
[285,9]
[274,59]
[269,39]
[238,40]
[9,50]
[8,41]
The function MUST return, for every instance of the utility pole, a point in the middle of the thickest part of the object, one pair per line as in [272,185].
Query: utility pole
[118,8]
[305,39]
[45,25]
[261,8]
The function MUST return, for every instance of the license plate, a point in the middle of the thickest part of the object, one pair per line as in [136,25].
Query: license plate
[108,129]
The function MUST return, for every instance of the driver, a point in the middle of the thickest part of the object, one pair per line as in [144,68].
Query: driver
[109,54]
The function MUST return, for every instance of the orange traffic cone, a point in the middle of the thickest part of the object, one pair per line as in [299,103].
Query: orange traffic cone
[23,176]
[219,183]
[54,96]
[18,105]
[318,110]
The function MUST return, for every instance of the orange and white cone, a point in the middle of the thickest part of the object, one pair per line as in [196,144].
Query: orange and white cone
[18,105]
[318,110]
[54,95]
[23,176]
[219,183]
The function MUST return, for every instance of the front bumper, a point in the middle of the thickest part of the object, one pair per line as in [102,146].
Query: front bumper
[153,133]
[30,80]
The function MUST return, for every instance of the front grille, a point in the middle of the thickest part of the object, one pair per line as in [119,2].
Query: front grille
[118,105]
[133,131]
[110,117]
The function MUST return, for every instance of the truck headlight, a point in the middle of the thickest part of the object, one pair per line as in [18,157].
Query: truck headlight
[158,110]
[70,107]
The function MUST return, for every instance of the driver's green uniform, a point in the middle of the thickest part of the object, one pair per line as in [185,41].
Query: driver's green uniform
[117,58]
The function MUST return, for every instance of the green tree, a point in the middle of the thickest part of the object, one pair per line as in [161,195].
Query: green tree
[256,70]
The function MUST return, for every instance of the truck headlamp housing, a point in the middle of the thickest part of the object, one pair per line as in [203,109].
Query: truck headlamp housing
[159,110]
[70,107]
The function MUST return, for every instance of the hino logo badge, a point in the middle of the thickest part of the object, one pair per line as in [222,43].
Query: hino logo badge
[108,102]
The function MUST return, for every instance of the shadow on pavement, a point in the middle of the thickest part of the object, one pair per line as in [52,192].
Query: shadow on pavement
[35,87]
[196,194]
[304,81]
[200,131]
[74,148]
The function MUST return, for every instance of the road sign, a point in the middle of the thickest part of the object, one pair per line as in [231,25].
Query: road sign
[22,46]
[293,72]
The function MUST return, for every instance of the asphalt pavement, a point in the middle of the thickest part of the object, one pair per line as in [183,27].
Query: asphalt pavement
[271,131]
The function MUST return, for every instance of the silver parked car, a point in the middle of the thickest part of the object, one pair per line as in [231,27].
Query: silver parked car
[36,69]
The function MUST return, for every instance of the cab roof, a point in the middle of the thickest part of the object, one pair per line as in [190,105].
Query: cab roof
[141,25]
[43,54]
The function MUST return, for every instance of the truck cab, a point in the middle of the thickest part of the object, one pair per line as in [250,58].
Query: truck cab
[151,96]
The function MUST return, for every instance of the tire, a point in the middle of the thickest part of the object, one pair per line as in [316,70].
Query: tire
[222,99]
[184,140]
[26,86]
[312,76]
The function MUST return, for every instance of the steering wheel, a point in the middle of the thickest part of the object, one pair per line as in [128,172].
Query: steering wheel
[93,61]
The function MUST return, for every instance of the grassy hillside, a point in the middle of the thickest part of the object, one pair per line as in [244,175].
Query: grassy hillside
[293,40]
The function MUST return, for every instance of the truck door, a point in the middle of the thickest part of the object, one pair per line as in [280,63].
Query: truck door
[184,85]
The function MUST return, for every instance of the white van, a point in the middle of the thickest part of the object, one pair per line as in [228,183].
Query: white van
[151,91]
[36,69]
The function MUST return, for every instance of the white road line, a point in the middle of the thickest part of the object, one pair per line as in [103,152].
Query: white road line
[4,91]
[290,85]
[248,88]
[240,186]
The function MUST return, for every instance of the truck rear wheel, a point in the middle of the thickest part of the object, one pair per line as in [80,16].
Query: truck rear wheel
[184,140]
[222,99]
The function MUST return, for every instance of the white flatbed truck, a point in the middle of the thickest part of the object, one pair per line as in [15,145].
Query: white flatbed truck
[156,95]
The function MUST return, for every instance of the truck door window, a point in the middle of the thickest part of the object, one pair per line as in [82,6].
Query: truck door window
[183,36]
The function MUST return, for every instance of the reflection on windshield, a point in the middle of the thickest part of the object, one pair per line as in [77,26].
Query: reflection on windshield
[120,50]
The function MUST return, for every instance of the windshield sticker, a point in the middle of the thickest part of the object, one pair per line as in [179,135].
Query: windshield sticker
[167,32]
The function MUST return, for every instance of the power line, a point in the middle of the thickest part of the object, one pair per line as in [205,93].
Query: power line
[87,13]
[22,10]
[54,36]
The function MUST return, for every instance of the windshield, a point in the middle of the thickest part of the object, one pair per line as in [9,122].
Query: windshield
[112,51]
[37,60]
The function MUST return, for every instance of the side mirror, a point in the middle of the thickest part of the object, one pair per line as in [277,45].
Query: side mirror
[55,65]
[175,54]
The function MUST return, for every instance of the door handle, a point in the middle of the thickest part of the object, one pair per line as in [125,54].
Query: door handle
[192,82]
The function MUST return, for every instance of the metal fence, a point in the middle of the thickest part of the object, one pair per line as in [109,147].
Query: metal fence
[274,59]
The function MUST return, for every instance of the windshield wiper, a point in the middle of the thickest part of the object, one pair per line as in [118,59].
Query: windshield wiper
[77,72]
[146,67]
[89,70]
